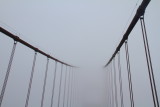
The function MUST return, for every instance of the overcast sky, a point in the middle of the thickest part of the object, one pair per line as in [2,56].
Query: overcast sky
[83,33]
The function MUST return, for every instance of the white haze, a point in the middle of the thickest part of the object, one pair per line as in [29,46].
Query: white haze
[83,33]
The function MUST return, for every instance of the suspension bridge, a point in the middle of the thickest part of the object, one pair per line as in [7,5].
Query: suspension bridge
[67,83]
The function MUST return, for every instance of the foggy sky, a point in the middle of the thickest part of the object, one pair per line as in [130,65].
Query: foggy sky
[83,33]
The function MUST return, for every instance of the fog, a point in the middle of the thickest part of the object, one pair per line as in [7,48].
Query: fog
[83,33]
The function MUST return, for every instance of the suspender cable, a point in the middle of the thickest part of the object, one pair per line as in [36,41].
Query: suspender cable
[75,90]
[110,81]
[149,63]
[73,102]
[129,74]
[54,80]
[71,89]
[115,84]
[107,86]
[59,96]
[120,80]
[31,78]
[7,73]
[44,85]
[109,89]
[68,88]
[65,87]
[128,69]
[112,87]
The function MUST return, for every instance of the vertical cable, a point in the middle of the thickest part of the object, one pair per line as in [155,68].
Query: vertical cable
[68,88]
[129,74]
[115,84]
[31,78]
[109,89]
[54,80]
[59,96]
[75,93]
[44,85]
[112,86]
[120,80]
[149,63]
[73,101]
[7,73]
[77,89]
[65,87]
[71,89]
